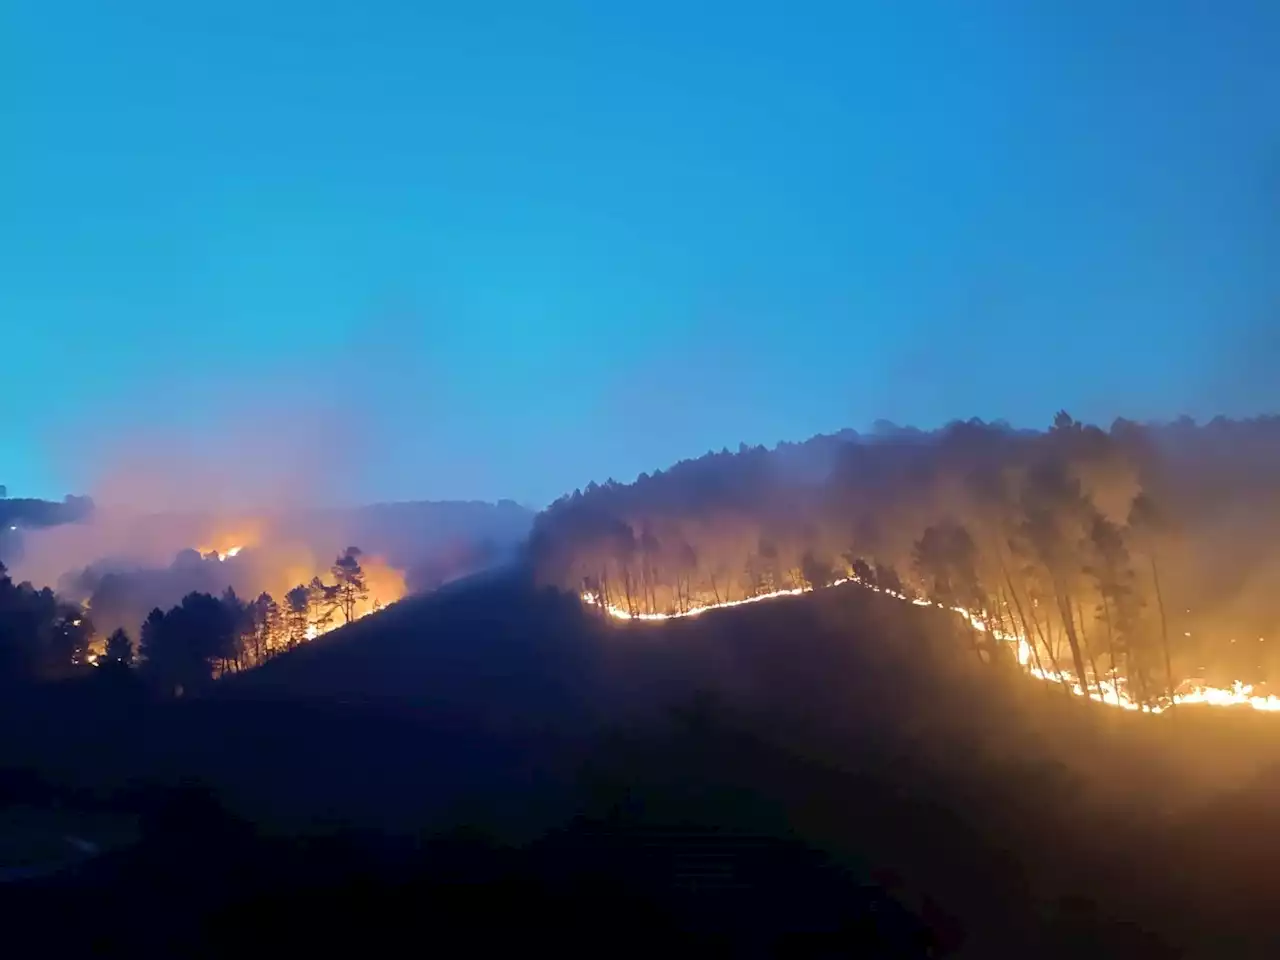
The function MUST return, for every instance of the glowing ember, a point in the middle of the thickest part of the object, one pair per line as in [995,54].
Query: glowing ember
[1103,691]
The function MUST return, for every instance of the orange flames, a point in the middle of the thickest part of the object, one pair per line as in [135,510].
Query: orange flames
[222,555]
[276,567]
[1103,691]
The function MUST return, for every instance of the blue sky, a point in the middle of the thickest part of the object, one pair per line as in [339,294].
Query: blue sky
[496,249]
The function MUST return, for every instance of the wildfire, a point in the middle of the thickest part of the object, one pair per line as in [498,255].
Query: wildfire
[319,630]
[277,566]
[222,551]
[1113,694]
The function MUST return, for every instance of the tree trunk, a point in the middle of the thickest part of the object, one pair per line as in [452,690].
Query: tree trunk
[1164,628]
[1053,657]
[995,647]
[603,581]
[626,589]
[1111,645]
[1088,652]
[1026,632]
[1073,640]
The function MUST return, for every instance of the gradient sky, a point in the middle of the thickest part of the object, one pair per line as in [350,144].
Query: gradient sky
[486,249]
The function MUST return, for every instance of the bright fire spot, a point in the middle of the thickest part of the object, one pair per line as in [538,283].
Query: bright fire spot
[277,568]
[221,553]
[1102,690]
[319,630]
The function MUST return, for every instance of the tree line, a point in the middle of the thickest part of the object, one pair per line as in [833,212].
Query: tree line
[1140,555]
[181,649]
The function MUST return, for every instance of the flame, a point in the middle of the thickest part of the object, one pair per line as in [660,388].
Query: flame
[1112,694]
[277,566]
[222,555]
[314,630]
[224,548]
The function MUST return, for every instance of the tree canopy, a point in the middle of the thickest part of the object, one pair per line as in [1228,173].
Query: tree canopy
[1134,551]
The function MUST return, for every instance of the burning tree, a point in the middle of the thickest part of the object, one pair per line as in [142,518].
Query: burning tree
[350,586]
[322,601]
[1059,560]
[267,632]
[297,606]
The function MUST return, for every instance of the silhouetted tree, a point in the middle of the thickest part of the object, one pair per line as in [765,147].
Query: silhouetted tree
[119,648]
[1147,522]
[183,646]
[816,573]
[267,628]
[297,608]
[1053,503]
[322,604]
[349,580]
[241,627]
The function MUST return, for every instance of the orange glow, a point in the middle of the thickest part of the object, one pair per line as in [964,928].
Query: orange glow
[222,555]
[277,566]
[224,546]
[1111,694]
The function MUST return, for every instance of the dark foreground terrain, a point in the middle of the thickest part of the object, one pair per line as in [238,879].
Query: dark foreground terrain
[827,775]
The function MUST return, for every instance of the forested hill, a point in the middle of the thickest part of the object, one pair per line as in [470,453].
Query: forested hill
[1141,551]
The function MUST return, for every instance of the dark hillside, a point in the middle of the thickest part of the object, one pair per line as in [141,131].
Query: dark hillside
[993,810]
[860,724]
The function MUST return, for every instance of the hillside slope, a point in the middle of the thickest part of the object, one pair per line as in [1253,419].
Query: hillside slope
[863,725]
[1008,816]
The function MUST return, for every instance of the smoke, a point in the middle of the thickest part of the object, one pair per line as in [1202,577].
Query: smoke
[178,463]
[119,594]
[124,562]
[168,502]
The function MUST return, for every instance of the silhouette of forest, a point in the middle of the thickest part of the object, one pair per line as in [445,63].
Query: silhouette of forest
[1142,555]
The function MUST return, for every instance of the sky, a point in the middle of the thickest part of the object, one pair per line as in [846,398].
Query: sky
[497,248]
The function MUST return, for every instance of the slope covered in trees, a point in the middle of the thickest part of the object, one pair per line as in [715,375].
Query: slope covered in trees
[1140,553]
[204,636]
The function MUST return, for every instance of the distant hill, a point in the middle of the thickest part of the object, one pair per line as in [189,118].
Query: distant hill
[28,513]
[18,514]
[432,541]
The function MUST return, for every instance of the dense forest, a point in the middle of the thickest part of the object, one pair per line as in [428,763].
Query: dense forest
[45,637]
[1140,555]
